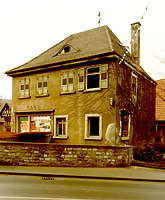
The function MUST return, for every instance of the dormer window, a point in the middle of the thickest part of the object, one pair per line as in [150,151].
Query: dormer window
[67,49]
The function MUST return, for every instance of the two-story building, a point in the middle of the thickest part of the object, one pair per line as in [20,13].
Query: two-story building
[87,89]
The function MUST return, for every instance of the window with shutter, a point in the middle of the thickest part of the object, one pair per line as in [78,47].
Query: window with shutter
[70,81]
[81,79]
[134,87]
[67,81]
[24,87]
[42,85]
[104,76]
[97,77]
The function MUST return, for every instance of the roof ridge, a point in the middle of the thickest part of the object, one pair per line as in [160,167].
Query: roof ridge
[108,35]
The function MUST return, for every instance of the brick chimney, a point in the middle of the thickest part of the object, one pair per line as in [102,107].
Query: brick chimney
[135,43]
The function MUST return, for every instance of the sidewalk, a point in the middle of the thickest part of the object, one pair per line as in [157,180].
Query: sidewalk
[126,173]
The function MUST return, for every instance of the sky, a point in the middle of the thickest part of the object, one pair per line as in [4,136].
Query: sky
[29,27]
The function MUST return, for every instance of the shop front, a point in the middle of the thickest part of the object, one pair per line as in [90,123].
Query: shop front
[34,126]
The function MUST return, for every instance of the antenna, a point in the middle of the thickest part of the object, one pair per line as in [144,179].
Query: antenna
[99,19]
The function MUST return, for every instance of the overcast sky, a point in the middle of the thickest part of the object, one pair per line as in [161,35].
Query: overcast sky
[29,27]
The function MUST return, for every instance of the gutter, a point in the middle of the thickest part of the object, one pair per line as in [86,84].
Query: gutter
[59,64]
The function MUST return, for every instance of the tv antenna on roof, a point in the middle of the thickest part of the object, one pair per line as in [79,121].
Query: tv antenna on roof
[99,19]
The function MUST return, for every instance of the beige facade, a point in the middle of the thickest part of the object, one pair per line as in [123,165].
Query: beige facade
[81,92]
[76,105]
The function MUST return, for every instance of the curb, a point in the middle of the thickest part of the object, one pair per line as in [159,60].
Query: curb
[150,165]
[81,176]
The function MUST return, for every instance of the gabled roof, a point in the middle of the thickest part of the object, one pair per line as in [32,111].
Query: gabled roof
[3,105]
[160,100]
[85,45]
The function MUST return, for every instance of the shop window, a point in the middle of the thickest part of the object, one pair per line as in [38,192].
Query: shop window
[35,123]
[23,124]
[93,126]
[61,126]
[40,123]
[125,125]
[42,85]
[24,89]
[67,81]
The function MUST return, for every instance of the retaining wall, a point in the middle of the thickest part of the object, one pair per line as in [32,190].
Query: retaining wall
[32,154]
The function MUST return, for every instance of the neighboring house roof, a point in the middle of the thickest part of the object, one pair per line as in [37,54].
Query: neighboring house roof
[2,106]
[85,45]
[160,100]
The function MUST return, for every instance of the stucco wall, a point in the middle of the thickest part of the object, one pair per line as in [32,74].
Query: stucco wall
[31,154]
[75,106]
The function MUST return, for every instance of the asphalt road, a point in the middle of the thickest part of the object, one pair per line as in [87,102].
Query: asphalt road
[40,188]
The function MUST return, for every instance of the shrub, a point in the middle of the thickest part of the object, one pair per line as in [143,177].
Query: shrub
[147,152]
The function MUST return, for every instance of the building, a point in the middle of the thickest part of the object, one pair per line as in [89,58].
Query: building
[160,110]
[5,114]
[87,90]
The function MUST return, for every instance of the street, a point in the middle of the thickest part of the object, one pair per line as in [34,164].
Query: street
[42,188]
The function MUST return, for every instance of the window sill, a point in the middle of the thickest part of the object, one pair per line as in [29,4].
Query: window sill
[124,138]
[60,137]
[24,97]
[93,138]
[42,95]
[92,90]
[63,93]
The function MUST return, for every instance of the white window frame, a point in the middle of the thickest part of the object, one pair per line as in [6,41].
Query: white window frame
[93,74]
[24,91]
[129,129]
[103,83]
[69,74]
[89,137]
[42,76]
[55,127]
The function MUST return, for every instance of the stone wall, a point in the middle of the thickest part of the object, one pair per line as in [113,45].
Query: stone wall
[32,154]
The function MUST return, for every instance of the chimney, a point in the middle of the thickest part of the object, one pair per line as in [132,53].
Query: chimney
[135,41]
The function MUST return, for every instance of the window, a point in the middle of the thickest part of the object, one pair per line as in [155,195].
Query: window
[42,85]
[96,77]
[67,81]
[93,126]
[93,78]
[134,87]
[23,124]
[24,88]
[61,126]
[34,123]
[125,125]
[80,79]
[67,49]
